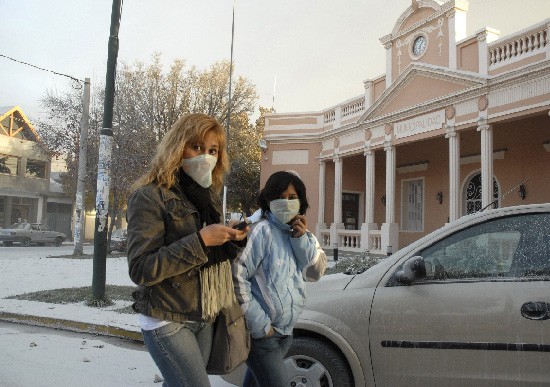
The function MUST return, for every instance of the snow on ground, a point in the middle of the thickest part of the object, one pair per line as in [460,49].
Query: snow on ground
[34,268]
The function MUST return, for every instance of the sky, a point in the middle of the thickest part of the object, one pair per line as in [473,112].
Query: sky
[302,55]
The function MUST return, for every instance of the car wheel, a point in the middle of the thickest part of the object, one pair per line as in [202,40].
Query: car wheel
[311,362]
[26,242]
[8,244]
[58,241]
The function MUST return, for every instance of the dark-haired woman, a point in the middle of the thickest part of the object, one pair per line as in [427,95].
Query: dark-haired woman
[270,274]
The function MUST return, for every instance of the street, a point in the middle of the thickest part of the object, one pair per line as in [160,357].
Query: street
[37,356]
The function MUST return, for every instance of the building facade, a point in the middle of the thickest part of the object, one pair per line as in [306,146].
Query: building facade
[27,192]
[457,124]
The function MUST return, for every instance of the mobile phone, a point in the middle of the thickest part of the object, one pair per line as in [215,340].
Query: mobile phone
[241,226]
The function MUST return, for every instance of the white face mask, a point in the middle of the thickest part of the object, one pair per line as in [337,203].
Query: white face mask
[284,210]
[200,168]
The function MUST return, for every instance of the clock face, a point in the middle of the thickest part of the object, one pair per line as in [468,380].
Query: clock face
[419,45]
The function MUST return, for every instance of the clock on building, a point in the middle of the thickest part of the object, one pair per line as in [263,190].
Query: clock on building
[419,45]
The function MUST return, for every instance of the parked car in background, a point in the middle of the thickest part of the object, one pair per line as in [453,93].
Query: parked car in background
[467,305]
[118,240]
[26,233]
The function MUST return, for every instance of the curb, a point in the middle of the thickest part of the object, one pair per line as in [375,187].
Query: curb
[75,326]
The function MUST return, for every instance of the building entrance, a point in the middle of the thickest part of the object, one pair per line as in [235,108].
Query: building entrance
[350,211]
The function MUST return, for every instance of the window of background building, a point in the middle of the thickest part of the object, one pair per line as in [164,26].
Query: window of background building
[412,209]
[9,164]
[36,168]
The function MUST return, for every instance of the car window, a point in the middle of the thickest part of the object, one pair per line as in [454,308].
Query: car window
[35,227]
[514,246]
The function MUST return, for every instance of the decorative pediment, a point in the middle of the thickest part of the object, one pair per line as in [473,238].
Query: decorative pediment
[422,84]
[418,13]
[13,123]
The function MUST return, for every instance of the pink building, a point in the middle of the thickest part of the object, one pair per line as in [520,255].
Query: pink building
[454,124]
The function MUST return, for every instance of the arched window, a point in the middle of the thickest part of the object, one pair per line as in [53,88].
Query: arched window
[473,194]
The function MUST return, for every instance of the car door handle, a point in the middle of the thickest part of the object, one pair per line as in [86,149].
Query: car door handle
[536,310]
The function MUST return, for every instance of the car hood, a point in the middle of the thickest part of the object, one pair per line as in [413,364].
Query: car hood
[7,230]
[329,283]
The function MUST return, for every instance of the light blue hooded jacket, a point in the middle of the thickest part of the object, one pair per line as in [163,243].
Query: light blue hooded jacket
[270,276]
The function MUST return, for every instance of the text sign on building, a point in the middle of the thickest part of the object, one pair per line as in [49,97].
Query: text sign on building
[417,125]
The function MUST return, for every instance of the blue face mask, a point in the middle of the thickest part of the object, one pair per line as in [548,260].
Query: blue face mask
[284,210]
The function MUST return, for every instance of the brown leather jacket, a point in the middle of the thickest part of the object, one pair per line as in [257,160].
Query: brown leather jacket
[165,253]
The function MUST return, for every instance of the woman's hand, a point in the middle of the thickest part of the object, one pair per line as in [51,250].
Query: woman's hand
[299,226]
[218,234]
[271,332]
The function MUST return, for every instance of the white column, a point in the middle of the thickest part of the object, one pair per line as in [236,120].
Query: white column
[366,242]
[389,232]
[321,210]
[337,222]
[388,64]
[390,182]
[369,186]
[486,164]
[337,190]
[454,172]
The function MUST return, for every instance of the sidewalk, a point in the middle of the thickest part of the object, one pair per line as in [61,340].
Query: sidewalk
[31,269]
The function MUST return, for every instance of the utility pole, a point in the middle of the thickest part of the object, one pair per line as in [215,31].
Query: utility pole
[229,108]
[104,162]
[82,157]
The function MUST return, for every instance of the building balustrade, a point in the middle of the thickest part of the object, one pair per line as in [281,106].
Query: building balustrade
[519,46]
[350,240]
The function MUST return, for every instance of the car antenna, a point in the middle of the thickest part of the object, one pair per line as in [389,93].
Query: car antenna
[504,194]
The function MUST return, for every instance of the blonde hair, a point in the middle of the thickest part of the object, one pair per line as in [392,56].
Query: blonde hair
[169,155]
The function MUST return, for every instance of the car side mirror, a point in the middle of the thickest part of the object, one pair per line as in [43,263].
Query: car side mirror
[413,269]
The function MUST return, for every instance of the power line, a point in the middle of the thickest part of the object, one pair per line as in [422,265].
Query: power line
[43,69]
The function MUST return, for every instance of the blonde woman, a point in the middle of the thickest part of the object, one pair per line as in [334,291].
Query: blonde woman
[179,251]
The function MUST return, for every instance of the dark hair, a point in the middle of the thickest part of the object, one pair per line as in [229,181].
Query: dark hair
[277,183]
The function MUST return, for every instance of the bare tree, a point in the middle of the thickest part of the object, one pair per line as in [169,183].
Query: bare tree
[148,101]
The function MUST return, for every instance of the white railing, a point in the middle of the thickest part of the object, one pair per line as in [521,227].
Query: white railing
[375,237]
[517,47]
[358,105]
[350,240]
[347,109]
[330,116]
[324,241]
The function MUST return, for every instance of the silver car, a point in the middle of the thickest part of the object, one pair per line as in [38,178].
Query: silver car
[26,233]
[467,305]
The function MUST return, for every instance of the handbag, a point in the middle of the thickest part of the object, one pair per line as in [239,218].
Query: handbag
[230,341]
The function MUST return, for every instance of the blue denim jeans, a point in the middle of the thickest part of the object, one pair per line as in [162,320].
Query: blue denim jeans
[265,362]
[181,352]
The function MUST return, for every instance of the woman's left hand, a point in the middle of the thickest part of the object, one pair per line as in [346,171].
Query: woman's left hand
[299,226]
